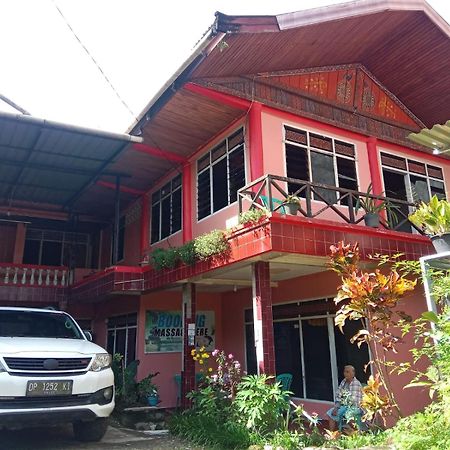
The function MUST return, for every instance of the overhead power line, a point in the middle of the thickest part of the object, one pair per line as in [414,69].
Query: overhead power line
[124,103]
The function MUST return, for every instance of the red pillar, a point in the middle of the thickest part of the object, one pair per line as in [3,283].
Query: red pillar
[187,207]
[145,225]
[256,142]
[189,314]
[374,166]
[262,318]
[19,243]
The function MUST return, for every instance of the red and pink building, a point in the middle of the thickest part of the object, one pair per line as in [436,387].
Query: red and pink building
[317,103]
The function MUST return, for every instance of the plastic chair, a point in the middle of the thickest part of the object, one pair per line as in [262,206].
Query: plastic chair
[275,202]
[286,380]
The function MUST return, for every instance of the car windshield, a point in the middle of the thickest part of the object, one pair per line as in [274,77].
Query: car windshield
[38,324]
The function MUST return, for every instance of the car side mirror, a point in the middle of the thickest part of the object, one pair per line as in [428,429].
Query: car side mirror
[88,335]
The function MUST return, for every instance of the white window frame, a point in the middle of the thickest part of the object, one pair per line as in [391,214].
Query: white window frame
[210,168]
[126,328]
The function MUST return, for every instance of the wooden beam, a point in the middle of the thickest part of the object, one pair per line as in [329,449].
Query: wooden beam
[158,153]
[228,282]
[219,97]
[125,189]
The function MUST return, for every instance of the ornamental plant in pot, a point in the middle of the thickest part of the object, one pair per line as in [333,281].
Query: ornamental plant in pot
[373,207]
[433,218]
[148,391]
[292,204]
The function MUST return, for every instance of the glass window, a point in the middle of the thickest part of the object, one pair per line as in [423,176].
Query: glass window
[122,332]
[220,174]
[166,210]
[319,159]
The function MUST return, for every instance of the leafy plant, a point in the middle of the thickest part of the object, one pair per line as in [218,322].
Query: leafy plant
[253,215]
[210,244]
[164,258]
[125,381]
[373,205]
[292,200]
[261,403]
[146,387]
[432,217]
[187,253]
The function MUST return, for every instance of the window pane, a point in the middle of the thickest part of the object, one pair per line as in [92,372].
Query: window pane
[317,359]
[220,185]
[51,253]
[110,343]
[165,218]
[176,211]
[395,187]
[155,222]
[437,188]
[322,168]
[287,353]
[419,187]
[237,172]
[296,165]
[349,354]
[31,252]
[204,194]
[131,345]
[219,151]
[347,176]
[250,349]
[120,341]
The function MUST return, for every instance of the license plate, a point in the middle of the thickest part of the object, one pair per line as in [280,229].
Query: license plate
[49,388]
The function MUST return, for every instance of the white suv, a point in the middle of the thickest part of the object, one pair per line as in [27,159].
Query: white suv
[50,373]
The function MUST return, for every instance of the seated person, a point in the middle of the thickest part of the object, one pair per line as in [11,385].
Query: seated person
[349,395]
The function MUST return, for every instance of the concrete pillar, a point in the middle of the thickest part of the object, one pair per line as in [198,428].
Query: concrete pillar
[19,243]
[374,166]
[262,318]
[188,370]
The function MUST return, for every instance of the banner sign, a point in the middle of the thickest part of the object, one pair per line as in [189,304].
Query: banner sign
[164,331]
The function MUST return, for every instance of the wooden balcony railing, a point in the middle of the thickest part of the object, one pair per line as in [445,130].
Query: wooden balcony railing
[320,200]
[31,275]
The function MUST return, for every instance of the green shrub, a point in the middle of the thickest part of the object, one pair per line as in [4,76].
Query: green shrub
[164,258]
[253,215]
[187,253]
[210,244]
[260,403]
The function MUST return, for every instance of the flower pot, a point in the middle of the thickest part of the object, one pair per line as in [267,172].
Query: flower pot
[441,243]
[292,208]
[372,220]
[153,400]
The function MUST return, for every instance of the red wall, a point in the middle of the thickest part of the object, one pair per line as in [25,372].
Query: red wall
[7,242]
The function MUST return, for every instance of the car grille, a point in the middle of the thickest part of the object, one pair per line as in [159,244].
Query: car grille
[45,402]
[39,364]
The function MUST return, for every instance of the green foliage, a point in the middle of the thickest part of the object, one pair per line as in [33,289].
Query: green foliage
[146,387]
[292,200]
[432,217]
[211,244]
[208,431]
[375,206]
[187,254]
[253,215]
[125,381]
[261,403]
[164,258]
[357,440]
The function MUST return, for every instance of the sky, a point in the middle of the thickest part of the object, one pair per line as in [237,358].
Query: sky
[138,44]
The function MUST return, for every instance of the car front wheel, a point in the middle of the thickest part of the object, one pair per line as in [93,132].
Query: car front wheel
[90,431]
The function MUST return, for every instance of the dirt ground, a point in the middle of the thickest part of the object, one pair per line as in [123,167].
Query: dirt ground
[61,438]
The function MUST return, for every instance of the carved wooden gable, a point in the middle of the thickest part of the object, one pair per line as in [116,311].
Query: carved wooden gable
[348,86]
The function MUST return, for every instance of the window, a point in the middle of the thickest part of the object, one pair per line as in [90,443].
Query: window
[122,336]
[57,248]
[412,181]
[311,348]
[166,210]
[319,159]
[220,174]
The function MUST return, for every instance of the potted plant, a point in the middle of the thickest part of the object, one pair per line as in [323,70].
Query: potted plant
[148,390]
[433,218]
[292,203]
[373,207]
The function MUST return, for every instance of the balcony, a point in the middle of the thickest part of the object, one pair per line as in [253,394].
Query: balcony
[321,201]
[32,284]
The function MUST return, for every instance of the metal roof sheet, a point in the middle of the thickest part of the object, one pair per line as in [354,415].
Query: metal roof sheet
[53,163]
[437,138]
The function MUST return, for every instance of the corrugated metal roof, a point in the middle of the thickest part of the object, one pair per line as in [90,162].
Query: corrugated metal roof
[52,163]
[437,138]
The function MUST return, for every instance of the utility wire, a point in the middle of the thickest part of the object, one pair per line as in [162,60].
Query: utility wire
[96,63]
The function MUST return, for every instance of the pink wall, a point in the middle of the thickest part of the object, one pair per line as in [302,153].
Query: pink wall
[132,255]
[169,364]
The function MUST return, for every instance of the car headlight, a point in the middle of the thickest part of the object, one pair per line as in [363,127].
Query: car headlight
[101,361]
